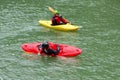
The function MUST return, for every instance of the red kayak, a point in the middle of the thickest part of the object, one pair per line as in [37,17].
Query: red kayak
[65,50]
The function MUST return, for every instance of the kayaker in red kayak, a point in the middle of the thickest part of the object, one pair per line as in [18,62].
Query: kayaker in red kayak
[44,48]
[57,19]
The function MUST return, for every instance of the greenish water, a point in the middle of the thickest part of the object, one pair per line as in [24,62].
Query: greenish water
[99,38]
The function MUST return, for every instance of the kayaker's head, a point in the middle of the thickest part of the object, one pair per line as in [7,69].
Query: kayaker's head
[56,12]
[45,45]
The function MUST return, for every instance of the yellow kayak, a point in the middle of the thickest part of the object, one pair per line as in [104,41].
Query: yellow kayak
[62,27]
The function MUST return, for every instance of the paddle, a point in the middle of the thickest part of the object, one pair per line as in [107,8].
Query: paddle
[52,10]
[39,48]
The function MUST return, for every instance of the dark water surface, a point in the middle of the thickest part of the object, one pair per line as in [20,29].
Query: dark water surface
[99,38]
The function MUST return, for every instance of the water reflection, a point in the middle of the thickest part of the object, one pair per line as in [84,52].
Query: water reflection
[60,33]
[70,60]
[30,56]
[48,59]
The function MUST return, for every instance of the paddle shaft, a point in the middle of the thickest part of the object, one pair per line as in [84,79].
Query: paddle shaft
[52,10]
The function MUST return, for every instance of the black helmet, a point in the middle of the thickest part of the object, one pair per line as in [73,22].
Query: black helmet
[45,45]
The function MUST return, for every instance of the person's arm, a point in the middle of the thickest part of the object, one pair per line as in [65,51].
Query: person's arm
[55,52]
[64,20]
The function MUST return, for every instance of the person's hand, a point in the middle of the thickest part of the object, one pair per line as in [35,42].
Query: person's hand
[68,22]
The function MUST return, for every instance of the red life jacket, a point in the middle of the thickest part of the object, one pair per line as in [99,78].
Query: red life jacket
[57,20]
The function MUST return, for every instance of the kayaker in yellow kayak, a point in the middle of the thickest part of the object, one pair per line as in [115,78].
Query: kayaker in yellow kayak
[57,19]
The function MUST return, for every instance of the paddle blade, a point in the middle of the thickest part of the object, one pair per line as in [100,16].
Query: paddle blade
[52,10]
